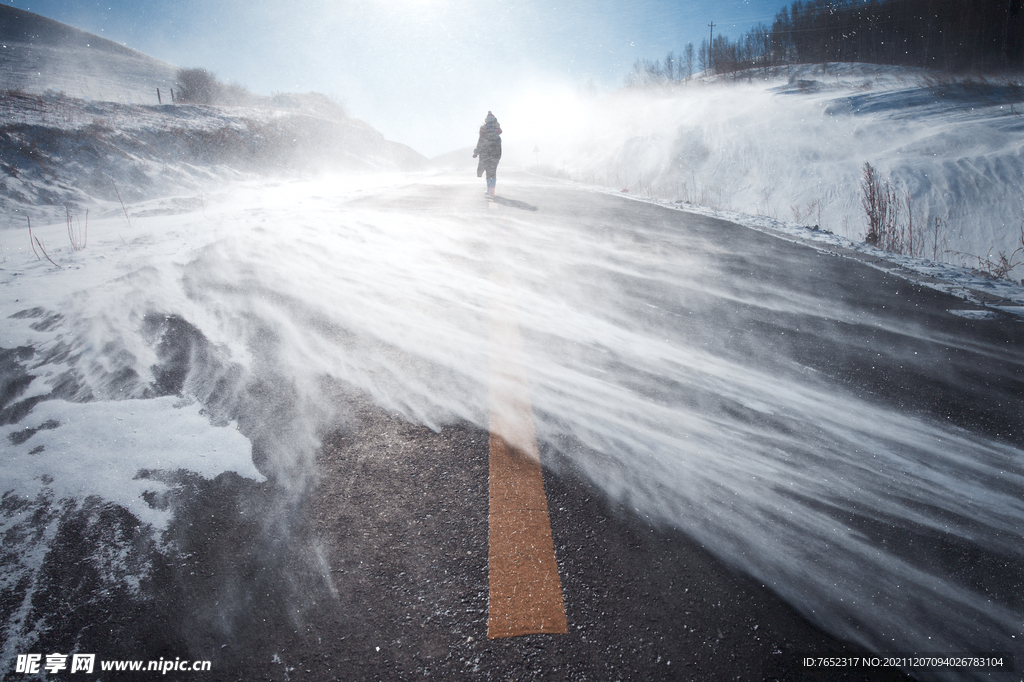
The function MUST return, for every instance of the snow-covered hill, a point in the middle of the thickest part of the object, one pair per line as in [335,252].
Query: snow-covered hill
[58,152]
[81,128]
[40,54]
[792,146]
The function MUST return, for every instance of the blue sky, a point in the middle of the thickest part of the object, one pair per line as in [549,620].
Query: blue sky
[420,71]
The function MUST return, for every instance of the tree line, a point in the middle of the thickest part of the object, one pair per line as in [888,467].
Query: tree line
[951,35]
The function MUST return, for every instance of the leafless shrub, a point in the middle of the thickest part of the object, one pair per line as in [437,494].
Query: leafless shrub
[874,198]
[1000,266]
[890,217]
[34,241]
[938,237]
[236,94]
[64,109]
[18,98]
[811,211]
[100,125]
[198,86]
[322,105]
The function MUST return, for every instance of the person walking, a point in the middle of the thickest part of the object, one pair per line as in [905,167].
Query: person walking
[488,148]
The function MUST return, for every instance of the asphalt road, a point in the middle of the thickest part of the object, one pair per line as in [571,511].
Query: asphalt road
[379,569]
[382,574]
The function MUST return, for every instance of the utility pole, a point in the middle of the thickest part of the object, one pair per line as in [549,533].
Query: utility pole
[711,42]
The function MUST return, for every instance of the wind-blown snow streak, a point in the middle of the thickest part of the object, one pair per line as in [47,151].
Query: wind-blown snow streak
[859,515]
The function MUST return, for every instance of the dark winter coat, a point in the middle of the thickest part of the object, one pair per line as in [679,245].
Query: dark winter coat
[488,147]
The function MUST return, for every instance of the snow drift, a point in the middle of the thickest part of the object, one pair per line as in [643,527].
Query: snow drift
[792,146]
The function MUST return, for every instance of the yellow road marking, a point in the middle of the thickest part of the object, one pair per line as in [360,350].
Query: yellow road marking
[525,591]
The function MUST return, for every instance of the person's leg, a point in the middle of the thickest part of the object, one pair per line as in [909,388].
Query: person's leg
[491,181]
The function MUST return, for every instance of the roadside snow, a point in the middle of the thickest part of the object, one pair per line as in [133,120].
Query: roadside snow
[113,449]
[965,283]
[89,326]
[791,147]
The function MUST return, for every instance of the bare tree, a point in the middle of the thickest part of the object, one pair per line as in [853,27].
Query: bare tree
[634,77]
[654,73]
[687,64]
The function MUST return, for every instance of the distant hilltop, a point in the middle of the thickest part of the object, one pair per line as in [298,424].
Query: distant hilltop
[20,26]
[83,128]
[39,55]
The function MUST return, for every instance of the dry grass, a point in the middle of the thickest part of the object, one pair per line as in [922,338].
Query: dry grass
[1000,266]
[35,241]
[890,216]
[122,203]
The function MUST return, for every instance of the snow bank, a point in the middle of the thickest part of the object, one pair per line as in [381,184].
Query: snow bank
[792,147]
[117,451]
